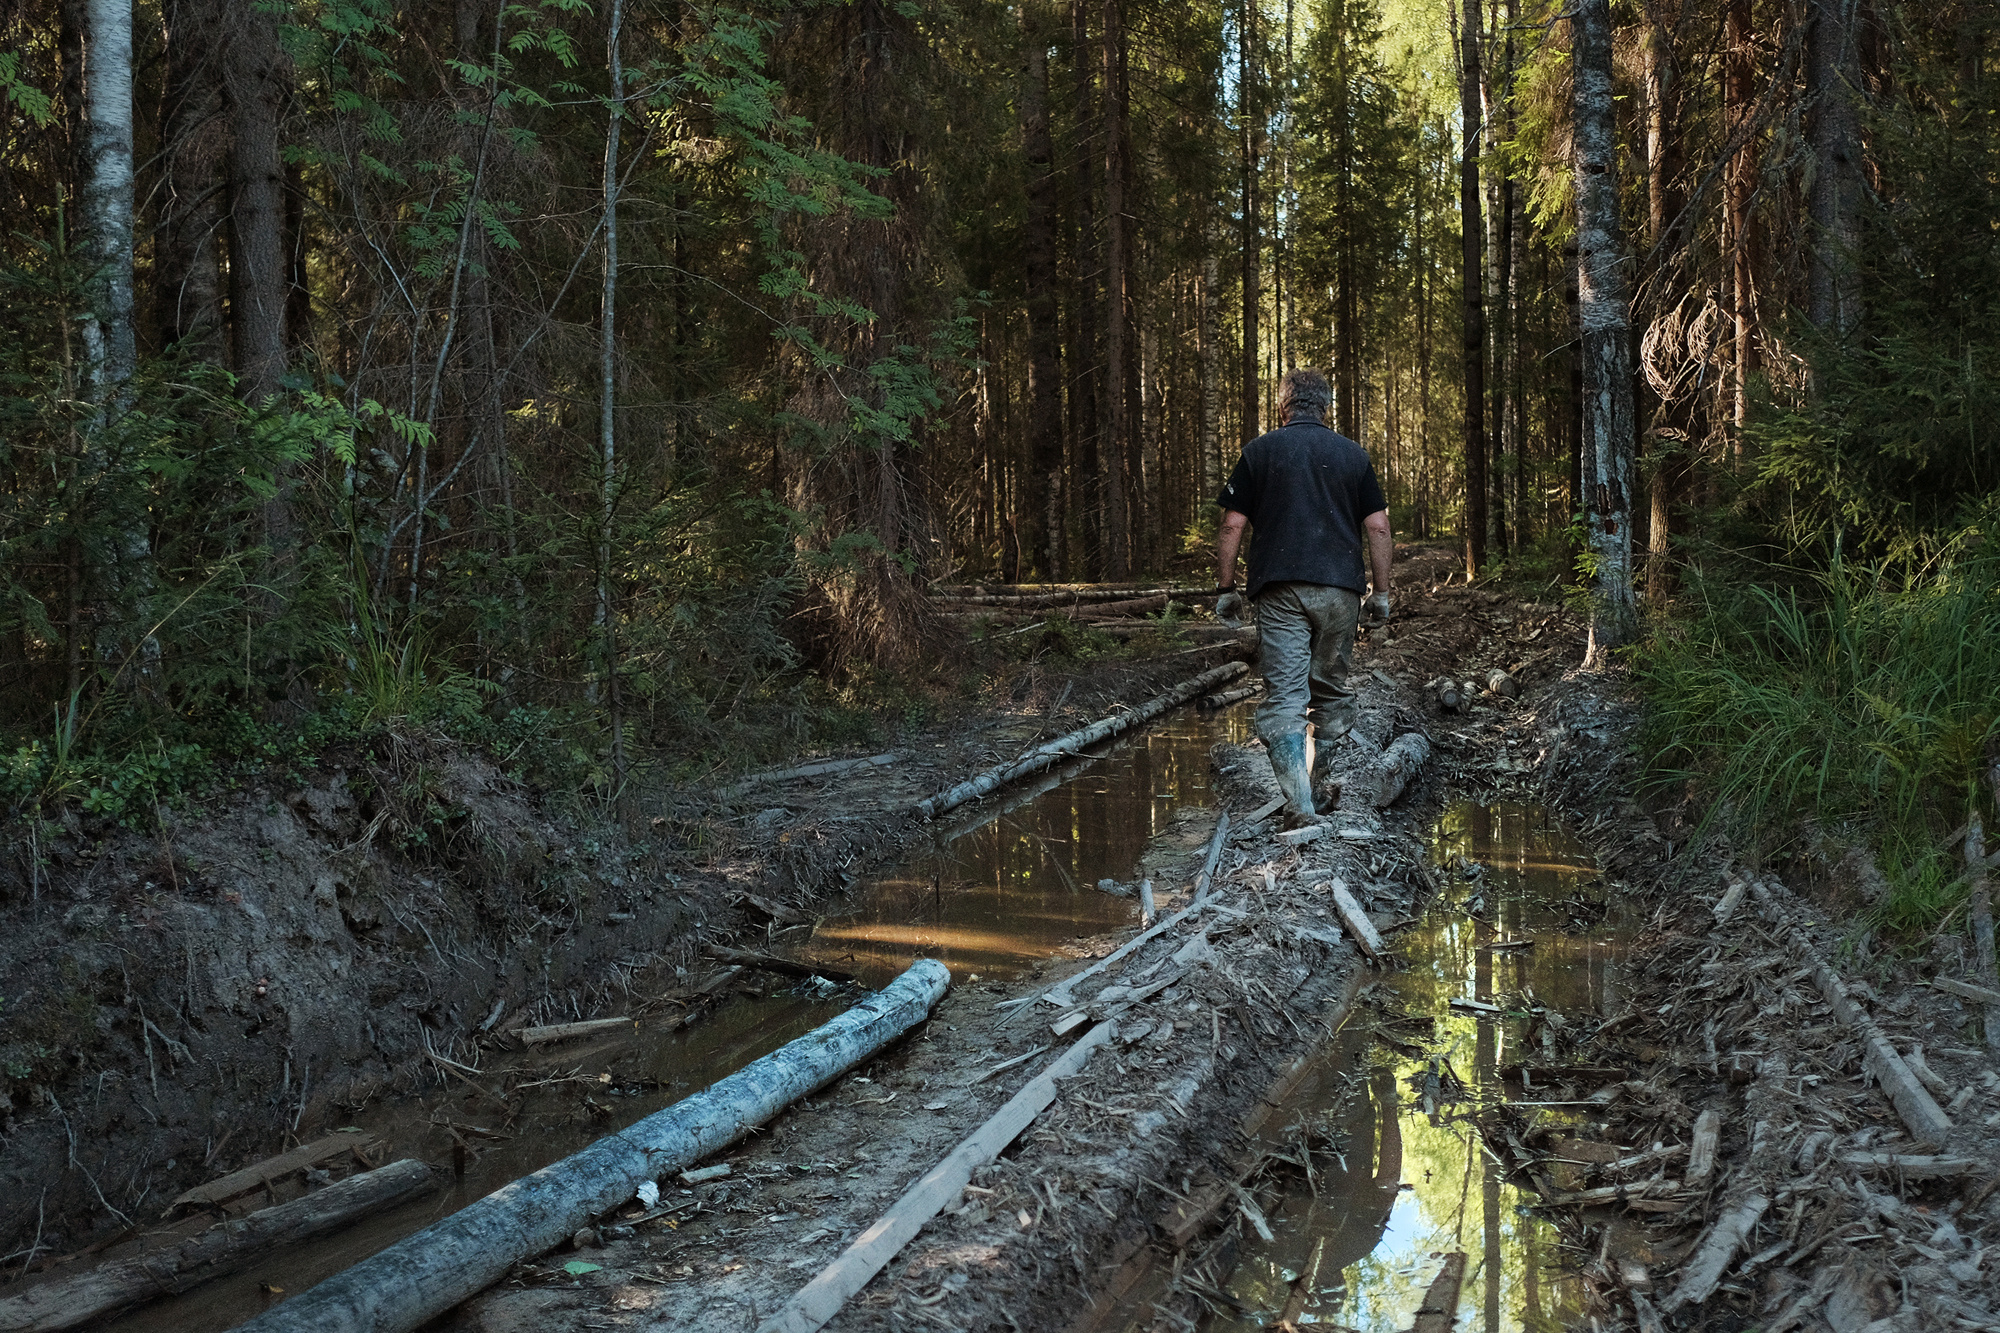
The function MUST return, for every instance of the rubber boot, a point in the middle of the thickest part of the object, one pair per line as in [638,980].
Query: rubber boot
[1325,786]
[1288,764]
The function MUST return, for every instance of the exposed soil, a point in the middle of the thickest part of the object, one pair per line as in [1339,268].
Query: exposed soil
[371,959]
[179,1005]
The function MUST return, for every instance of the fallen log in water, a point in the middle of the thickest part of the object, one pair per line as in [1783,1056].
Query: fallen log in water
[1043,755]
[422,1276]
[1440,1307]
[222,1249]
[822,1298]
[786,967]
[1224,698]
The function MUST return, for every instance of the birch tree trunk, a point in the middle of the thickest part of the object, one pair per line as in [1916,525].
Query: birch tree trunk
[109,340]
[1471,278]
[1604,313]
[1831,78]
[110,343]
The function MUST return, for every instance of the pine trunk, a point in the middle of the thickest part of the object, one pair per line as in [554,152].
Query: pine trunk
[1831,79]
[1114,422]
[1739,102]
[1604,313]
[1252,221]
[1041,492]
[1472,276]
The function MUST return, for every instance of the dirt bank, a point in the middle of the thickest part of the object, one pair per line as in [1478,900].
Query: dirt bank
[179,1004]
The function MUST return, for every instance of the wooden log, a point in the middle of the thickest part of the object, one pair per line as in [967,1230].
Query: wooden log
[1925,1119]
[1146,909]
[1357,922]
[1914,1166]
[222,1249]
[1500,683]
[1299,837]
[1207,875]
[1228,697]
[822,1298]
[1058,591]
[422,1276]
[1711,1259]
[272,1169]
[1063,746]
[1440,1308]
[821,769]
[1725,906]
[1398,766]
[1303,1287]
[765,962]
[564,1031]
[1060,993]
[1701,1152]
[1980,908]
[1966,990]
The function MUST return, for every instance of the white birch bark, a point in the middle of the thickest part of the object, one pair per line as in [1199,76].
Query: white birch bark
[107,201]
[1605,316]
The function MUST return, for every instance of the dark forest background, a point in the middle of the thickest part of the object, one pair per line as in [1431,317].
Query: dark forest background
[608,382]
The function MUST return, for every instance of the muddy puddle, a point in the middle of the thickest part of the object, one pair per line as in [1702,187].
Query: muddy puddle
[994,893]
[1399,1175]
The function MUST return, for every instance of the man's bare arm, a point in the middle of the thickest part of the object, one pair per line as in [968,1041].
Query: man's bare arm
[1228,541]
[1381,547]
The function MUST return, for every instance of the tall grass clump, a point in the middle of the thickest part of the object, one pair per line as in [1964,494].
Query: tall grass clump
[1838,700]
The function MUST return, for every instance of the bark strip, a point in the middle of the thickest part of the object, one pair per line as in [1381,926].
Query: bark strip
[822,1298]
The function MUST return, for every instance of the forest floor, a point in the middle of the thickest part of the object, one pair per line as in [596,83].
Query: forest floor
[295,969]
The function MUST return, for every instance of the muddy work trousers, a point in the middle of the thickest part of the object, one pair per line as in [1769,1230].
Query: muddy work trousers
[1306,648]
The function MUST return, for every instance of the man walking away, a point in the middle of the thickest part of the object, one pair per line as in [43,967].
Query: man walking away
[1310,493]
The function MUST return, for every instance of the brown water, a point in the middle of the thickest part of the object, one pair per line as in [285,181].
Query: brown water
[1396,1188]
[998,889]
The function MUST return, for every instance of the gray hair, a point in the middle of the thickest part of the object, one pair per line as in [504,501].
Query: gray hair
[1303,393]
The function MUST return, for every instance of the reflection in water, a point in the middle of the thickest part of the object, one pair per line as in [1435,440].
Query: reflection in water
[1003,895]
[990,897]
[1409,1187]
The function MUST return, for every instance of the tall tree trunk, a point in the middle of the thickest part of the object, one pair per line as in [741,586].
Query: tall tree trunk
[1253,297]
[1472,277]
[1605,315]
[1831,84]
[1084,370]
[110,342]
[1114,420]
[1672,432]
[187,264]
[259,274]
[607,372]
[1496,71]
[1041,498]
[1739,97]
[1211,361]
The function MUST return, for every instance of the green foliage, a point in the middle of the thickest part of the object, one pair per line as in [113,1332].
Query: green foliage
[1845,698]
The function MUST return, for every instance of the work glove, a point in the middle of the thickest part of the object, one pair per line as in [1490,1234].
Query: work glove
[1375,609]
[1229,607]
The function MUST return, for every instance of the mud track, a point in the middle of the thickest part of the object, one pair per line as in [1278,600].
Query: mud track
[1131,1178]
